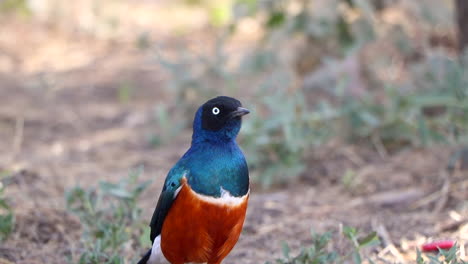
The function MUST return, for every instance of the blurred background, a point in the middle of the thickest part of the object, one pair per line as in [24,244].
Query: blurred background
[358,130]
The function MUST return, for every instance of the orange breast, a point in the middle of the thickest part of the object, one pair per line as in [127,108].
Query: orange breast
[199,230]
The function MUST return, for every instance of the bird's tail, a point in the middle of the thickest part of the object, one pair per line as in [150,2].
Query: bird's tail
[145,258]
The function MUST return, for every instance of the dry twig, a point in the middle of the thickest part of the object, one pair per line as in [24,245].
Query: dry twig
[387,241]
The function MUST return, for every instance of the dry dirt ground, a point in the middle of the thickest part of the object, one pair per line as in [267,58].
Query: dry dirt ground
[63,125]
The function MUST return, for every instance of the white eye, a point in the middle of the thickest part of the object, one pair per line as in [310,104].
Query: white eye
[215,110]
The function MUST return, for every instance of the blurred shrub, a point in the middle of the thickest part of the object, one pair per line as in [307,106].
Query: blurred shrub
[418,119]
[335,25]
[428,107]
[15,6]
[336,84]
[274,144]
[279,132]
[191,73]
[110,220]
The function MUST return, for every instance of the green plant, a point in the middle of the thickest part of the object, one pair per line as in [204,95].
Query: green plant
[198,76]
[109,217]
[276,140]
[359,242]
[332,27]
[7,220]
[400,119]
[450,256]
[429,108]
[420,117]
[322,250]
[15,6]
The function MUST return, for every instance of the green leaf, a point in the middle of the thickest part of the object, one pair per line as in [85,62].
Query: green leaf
[369,240]
[276,19]
[6,225]
[3,204]
[349,232]
[220,14]
[356,257]
[344,33]
[450,254]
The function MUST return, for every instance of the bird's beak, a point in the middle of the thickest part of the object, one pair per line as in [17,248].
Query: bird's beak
[241,111]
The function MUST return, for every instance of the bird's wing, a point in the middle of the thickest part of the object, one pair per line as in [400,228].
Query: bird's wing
[167,197]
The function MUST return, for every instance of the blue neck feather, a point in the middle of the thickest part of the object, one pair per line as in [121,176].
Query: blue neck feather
[215,160]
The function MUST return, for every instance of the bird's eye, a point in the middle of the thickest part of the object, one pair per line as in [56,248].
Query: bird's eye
[215,110]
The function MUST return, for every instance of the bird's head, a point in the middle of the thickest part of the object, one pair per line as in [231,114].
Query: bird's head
[219,119]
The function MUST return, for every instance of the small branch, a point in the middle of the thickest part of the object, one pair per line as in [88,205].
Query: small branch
[441,194]
[379,146]
[444,193]
[17,138]
[389,246]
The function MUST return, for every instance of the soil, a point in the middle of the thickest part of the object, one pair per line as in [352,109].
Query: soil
[63,123]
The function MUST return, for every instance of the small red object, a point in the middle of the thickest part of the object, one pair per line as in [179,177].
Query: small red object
[435,246]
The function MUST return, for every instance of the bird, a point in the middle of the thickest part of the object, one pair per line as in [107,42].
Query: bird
[202,206]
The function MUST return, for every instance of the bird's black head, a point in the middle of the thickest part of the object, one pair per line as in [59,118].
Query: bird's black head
[218,119]
[219,111]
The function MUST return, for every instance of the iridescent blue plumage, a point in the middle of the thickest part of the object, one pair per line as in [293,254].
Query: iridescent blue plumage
[214,161]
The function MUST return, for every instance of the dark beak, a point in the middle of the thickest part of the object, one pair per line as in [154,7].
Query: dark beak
[241,111]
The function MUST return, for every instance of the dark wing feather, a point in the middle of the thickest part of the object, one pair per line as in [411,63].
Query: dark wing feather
[145,258]
[164,204]
[165,201]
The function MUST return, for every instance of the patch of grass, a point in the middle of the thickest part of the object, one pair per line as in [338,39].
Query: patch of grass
[110,220]
[450,256]
[321,249]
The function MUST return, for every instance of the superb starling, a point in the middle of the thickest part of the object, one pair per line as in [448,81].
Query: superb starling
[202,206]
